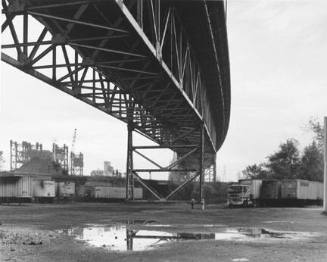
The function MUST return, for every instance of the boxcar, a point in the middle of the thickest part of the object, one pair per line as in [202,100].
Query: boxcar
[44,190]
[114,193]
[65,190]
[270,192]
[16,189]
[301,191]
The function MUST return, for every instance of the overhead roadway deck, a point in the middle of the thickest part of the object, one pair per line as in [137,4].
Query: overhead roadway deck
[161,66]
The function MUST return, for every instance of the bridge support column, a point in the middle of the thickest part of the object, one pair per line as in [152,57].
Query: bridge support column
[201,159]
[215,169]
[129,163]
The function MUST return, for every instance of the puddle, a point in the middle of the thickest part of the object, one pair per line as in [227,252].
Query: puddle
[139,236]
[279,221]
[120,237]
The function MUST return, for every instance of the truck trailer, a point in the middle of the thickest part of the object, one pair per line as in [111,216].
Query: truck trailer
[270,194]
[299,191]
[273,192]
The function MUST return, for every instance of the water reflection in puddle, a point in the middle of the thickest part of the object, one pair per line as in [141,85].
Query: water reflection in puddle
[119,237]
[129,237]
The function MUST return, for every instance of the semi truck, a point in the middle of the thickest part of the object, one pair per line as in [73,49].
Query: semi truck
[244,193]
[273,192]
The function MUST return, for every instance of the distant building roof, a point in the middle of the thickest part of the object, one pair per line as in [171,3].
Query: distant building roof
[41,166]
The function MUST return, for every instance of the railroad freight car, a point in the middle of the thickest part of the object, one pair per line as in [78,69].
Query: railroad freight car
[44,190]
[298,191]
[270,192]
[65,190]
[107,193]
[16,189]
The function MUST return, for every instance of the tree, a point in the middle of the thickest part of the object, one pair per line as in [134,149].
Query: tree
[318,131]
[97,172]
[312,163]
[256,171]
[285,163]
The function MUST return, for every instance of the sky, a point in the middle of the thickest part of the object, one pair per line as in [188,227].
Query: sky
[278,58]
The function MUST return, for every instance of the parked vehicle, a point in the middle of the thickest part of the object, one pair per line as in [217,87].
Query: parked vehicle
[245,193]
[270,192]
[274,192]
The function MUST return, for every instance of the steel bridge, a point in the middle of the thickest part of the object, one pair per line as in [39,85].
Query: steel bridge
[161,66]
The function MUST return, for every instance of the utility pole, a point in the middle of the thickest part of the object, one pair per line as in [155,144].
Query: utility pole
[325,165]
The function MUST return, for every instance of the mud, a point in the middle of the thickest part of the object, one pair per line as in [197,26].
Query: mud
[141,232]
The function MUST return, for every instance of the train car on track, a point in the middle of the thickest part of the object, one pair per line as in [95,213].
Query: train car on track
[299,191]
[15,188]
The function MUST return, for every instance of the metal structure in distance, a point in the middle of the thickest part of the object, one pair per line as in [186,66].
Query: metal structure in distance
[161,66]
[21,153]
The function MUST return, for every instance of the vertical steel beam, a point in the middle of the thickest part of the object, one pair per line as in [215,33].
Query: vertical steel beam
[54,62]
[25,34]
[129,167]
[75,85]
[201,147]
[215,169]
[129,239]
[140,13]
[93,85]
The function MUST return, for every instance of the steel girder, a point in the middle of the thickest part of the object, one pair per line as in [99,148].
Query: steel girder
[131,59]
[194,171]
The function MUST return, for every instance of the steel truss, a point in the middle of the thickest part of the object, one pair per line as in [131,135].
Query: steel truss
[20,153]
[132,173]
[130,59]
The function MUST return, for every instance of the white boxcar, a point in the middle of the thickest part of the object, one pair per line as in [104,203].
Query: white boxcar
[16,187]
[301,189]
[101,192]
[44,188]
[66,189]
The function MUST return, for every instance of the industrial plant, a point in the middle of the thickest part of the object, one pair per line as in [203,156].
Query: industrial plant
[40,175]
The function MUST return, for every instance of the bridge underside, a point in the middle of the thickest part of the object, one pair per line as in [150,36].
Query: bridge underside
[161,66]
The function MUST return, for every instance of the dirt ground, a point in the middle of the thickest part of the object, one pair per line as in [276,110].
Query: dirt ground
[30,232]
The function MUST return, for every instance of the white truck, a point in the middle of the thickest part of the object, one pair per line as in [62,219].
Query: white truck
[244,193]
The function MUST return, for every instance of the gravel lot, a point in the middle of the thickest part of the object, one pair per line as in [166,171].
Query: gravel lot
[33,232]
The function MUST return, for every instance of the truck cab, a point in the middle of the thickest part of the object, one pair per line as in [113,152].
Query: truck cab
[239,195]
